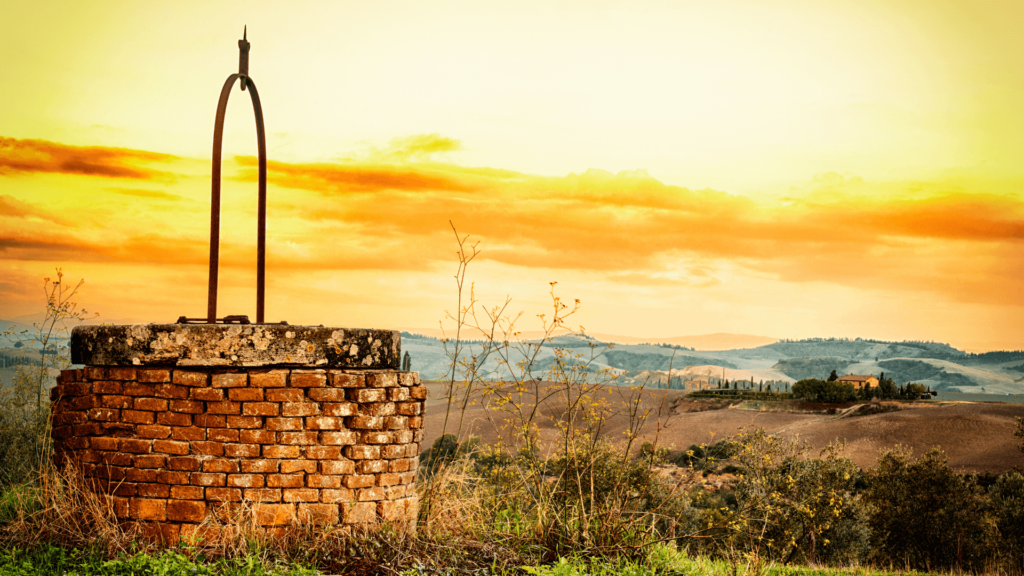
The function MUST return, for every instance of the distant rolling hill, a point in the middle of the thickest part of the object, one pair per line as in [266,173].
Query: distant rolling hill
[935,364]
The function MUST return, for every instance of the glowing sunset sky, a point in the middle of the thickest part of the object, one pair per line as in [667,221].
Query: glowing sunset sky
[807,169]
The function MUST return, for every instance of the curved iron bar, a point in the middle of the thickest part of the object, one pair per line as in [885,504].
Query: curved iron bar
[261,225]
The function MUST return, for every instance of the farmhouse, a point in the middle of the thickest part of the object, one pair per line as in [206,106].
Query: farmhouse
[858,380]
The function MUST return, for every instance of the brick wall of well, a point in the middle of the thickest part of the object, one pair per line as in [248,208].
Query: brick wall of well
[174,447]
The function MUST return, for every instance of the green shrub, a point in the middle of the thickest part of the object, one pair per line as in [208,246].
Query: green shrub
[815,390]
[926,516]
[1007,500]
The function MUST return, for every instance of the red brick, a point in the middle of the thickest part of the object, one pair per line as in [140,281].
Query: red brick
[112,467]
[194,379]
[191,433]
[393,451]
[284,423]
[140,475]
[137,389]
[341,495]
[222,434]
[399,491]
[367,395]
[104,414]
[137,417]
[323,452]
[154,376]
[84,403]
[188,492]
[220,465]
[415,422]
[370,494]
[359,513]
[271,379]
[206,394]
[185,463]
[152,490]
[318,513]
[297,438]
[342,380]
[246,394]
[300,409]
[398,394]
[337,467]
[371,466]
[122,508]
[262,494]
[382,380]
[308,379]
[392,511]
[210,420]
[340,409]
[396,422]
[206,479]
[318,481]
[274,514]
[174,419]
[246,480]
[150,404]
[326,394]
[403,436]
[106,387]
[223,407]
[408,379]
[376,437]
[260,408]
[409,408]
[88,429]
[407,477]
[245,422]
[362,452]
[300,495]
[208,448]
[287,394]
[150,461]
[230,380]
[259,466]
[290,466]
[224,494]
[153,431]
[242,450]
[324,423]
[257,437]
[95,373]
[281,451]
[365,422]
[418,392]
[186,406]
[170,391]
[135,446]
[101,443]
[148,509]
[186,511]
[402,465]
[169,477]
[121,373]
[388,479]
[360,481]
[160,533]
[285,480]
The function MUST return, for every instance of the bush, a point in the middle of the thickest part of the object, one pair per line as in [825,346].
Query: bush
[1007,500]
[815,390]
[926,516]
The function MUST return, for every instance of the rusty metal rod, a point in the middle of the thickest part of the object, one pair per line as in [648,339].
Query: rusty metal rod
[261,225]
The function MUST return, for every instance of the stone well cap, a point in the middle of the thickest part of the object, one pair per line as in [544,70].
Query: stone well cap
[235,345]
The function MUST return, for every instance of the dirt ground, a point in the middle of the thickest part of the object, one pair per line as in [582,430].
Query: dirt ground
[975,436]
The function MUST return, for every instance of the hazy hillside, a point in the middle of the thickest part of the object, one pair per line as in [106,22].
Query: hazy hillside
[935,364]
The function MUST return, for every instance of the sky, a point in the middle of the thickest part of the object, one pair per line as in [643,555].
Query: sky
[789,169]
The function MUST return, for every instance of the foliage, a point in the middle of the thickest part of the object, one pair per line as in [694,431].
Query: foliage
[1007,499]
[815,390]
[924,515]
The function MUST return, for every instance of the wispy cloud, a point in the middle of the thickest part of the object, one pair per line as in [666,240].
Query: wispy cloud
[28,156]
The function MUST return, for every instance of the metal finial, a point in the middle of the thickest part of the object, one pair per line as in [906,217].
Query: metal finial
[243,57]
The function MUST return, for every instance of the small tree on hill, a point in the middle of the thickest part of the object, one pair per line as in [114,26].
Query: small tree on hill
[833,376]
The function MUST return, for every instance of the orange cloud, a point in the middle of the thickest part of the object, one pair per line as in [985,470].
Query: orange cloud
[14,208]
[26,156]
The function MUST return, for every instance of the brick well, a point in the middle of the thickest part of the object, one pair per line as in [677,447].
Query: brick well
[175,445]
